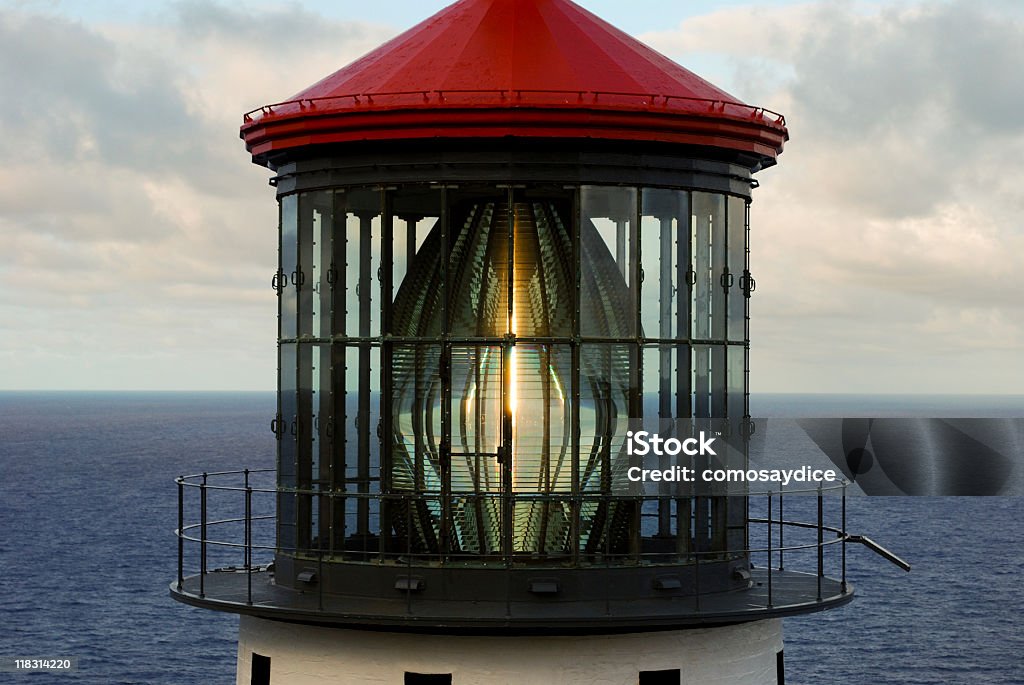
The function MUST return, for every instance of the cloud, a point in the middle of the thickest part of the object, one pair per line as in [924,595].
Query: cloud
[134,226]
[138,239]
[888,239]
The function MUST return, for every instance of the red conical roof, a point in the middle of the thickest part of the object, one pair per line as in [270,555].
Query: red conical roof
[525,68]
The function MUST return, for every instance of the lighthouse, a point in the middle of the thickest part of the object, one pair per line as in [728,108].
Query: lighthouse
[503,236]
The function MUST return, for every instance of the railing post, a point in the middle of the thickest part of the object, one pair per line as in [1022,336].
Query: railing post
[181,531]
[821,540]
[248,521]
[637,534]
[782,535]
[202,538]
[332,498]
[769,549]
[696,578]
[409,502]
[320,578]
[843,544]
[248,538]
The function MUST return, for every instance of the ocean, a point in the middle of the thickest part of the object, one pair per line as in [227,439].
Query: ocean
[87,551]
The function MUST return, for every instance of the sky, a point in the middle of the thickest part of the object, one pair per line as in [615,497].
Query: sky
[138,240]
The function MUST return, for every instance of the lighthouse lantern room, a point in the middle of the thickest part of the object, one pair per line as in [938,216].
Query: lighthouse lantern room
[503,235]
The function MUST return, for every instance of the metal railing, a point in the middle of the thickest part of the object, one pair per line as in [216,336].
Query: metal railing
[518,98]
[238,487]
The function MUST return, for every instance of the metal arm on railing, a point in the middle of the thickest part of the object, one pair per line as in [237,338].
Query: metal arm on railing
[879,550]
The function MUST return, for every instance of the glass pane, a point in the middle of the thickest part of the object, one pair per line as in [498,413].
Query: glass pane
[543,278]
[541,438]
[417,430]
[307,443]
[709,381]
[476,415]
[737,264]
[608,261]
[709,235]
[665,260]
[321,276]
[362,446]
[666,381]
[701,382]
[289,415]
[718,381]
[608,392]
[304,416]
[306,285]
[415,215]
[335,436]
[320,392]
[736,387]
[736,513]
[416,417]
[542,527]
[286,521]
[362,259]
[477,524]
[352,424]
[495,250]
[320,440]
[717,523]
[371,356]
[479,259]
[339,269]
[288,294]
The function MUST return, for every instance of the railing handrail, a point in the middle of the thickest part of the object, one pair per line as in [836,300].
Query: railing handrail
[235,472]
[191,481]
[300,551]
[689,555]
[437,98]
[408,558]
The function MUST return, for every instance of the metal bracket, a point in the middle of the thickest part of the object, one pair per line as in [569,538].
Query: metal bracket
[879,550]
[747,283]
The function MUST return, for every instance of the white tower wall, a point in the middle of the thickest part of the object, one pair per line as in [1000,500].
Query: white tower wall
[307,655]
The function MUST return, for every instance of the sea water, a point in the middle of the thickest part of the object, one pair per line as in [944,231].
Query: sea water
[87,549]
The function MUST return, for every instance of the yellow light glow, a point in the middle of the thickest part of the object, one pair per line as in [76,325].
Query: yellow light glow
[521,391]
[513,365]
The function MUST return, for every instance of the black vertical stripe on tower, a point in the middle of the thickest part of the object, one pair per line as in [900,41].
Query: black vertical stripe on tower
[507,384]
